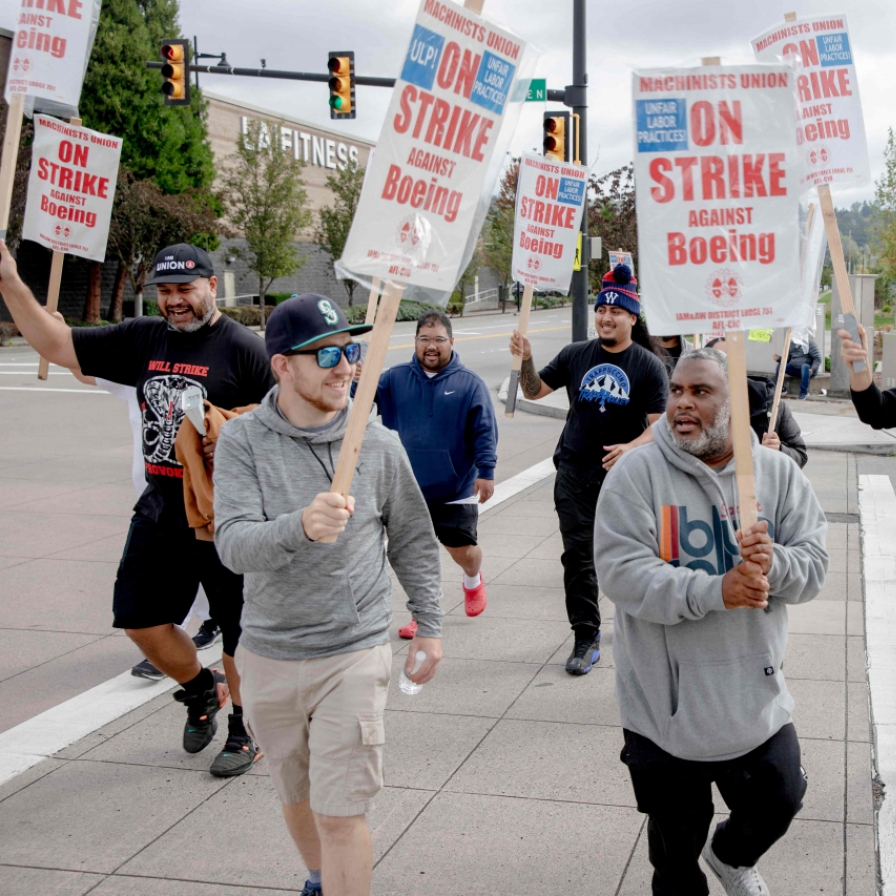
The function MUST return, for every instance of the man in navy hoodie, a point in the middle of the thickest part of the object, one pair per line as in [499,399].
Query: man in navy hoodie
[444,416]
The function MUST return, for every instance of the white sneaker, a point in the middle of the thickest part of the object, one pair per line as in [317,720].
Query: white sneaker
[745,881]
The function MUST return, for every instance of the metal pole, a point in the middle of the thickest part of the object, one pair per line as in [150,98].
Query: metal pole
[196,56]
[580,92]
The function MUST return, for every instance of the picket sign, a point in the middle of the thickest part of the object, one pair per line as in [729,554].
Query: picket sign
[43,368]
[373,366]
[10,158]
[516,362]
[779,385]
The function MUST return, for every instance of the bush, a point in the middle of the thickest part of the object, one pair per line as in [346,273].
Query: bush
[454,309]
[887,309]
[247,315]
[407,310]
[827,364]
[151,309]
[7,331]
[275,298]
[83,323]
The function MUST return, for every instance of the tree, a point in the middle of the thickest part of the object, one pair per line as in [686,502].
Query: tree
[334,222]
[266,200]
[20,181]
[612,216]
[885,195]
[497,242]
[146,219]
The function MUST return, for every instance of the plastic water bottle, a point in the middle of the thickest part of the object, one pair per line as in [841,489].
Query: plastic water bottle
[407,686]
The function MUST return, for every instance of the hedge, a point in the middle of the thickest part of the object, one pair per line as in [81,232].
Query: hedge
[407,310]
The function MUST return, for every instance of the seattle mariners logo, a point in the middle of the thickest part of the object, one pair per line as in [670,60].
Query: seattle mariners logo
[605,383]
[327,310]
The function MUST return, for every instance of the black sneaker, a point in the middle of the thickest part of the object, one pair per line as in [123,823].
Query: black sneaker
[207,635]
[311,889]
[584,655]
[240,752]
[201,711]
[147,670]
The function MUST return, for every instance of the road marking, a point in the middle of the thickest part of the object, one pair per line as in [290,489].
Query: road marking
[392,348]
[44,389]
[27,372]
[877,517]
[55,729]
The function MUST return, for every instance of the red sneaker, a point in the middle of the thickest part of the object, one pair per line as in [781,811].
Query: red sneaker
[474,598]
[408,631]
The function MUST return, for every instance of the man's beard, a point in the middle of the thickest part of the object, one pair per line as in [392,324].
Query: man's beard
[198,322]
[713,439]
[608,340]
[319,402]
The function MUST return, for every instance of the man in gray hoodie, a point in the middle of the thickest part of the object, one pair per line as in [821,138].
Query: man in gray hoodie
[700,633]
[315,658]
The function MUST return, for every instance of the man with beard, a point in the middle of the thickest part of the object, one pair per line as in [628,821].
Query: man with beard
[616,388]
[700,634]
[315,655]
[191,344]
[444,416]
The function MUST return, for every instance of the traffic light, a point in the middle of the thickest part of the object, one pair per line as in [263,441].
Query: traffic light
[176,72]
[557,136]
[342,84]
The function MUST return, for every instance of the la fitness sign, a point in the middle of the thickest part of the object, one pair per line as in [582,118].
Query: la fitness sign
[319,151]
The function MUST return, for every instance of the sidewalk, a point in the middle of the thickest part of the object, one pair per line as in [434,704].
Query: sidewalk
[840,430]
[503,776]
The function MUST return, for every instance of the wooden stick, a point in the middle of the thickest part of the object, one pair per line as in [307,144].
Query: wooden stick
[516,362]
[740,428]
[366,392]
[841,275]
[371,302]
[43,368]
[10,158]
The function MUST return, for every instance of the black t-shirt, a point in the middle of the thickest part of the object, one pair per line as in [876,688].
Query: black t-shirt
[610,396]
[226,361]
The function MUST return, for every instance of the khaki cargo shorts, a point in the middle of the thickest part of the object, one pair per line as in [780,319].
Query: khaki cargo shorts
[320,724]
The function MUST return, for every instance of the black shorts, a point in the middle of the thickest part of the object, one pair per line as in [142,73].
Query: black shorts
[455,524]
[159,576]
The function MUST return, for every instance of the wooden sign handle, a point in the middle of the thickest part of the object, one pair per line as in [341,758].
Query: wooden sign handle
[43,368]
[779,383]
[740,428]
[10,158]
[832,229]
[366,392]
[516,361]
[372,301]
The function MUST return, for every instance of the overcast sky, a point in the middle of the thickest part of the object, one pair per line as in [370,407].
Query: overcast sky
[296,35]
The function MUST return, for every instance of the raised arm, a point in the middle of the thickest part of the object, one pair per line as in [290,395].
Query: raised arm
[531,383]
[46,335]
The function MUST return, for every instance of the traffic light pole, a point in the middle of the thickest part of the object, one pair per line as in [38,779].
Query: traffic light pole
[578,94]
[364,80]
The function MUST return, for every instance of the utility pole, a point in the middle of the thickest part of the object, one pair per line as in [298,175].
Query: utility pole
[577,97]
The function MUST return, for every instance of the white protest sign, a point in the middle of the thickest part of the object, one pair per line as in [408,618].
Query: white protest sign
[460,76]
[622,258]
[717,198]
[71,188]
[830,128]
[550,198]
[48,55]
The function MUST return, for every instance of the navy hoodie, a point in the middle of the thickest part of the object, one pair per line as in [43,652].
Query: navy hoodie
[446,424]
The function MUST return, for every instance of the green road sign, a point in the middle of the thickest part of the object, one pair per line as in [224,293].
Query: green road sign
[538,91]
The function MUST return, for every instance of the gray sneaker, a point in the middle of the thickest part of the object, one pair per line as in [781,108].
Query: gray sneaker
[147,670]
[745,881]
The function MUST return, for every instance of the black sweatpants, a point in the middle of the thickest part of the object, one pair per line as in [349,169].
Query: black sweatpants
[763,789]
[575,500]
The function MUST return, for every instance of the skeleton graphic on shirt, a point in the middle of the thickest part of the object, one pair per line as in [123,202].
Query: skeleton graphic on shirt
[162,416]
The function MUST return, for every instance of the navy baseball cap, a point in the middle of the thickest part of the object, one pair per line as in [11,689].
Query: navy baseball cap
[301,320]
[182,263]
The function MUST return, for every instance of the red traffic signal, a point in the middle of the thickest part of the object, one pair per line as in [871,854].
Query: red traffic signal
[176,72]
[557,136]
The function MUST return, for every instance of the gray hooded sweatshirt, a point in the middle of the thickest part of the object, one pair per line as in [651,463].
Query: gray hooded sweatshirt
[700,681]
[305,599]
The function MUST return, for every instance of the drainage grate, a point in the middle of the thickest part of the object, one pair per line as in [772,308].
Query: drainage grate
[842,517]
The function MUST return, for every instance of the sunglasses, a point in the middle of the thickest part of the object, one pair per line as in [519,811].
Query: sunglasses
[329,356]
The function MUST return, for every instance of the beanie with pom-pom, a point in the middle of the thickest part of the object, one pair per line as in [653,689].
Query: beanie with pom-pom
[620,287]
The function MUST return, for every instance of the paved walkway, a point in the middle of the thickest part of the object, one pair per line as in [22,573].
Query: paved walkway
[503,775]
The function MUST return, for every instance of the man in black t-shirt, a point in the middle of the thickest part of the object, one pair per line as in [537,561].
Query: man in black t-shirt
[616,389]
[163,564]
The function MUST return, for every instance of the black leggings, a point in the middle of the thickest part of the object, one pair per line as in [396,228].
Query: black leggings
[763,789]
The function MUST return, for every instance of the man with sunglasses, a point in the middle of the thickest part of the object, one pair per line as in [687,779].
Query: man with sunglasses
[315,657]
[190,345]
[444,416]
